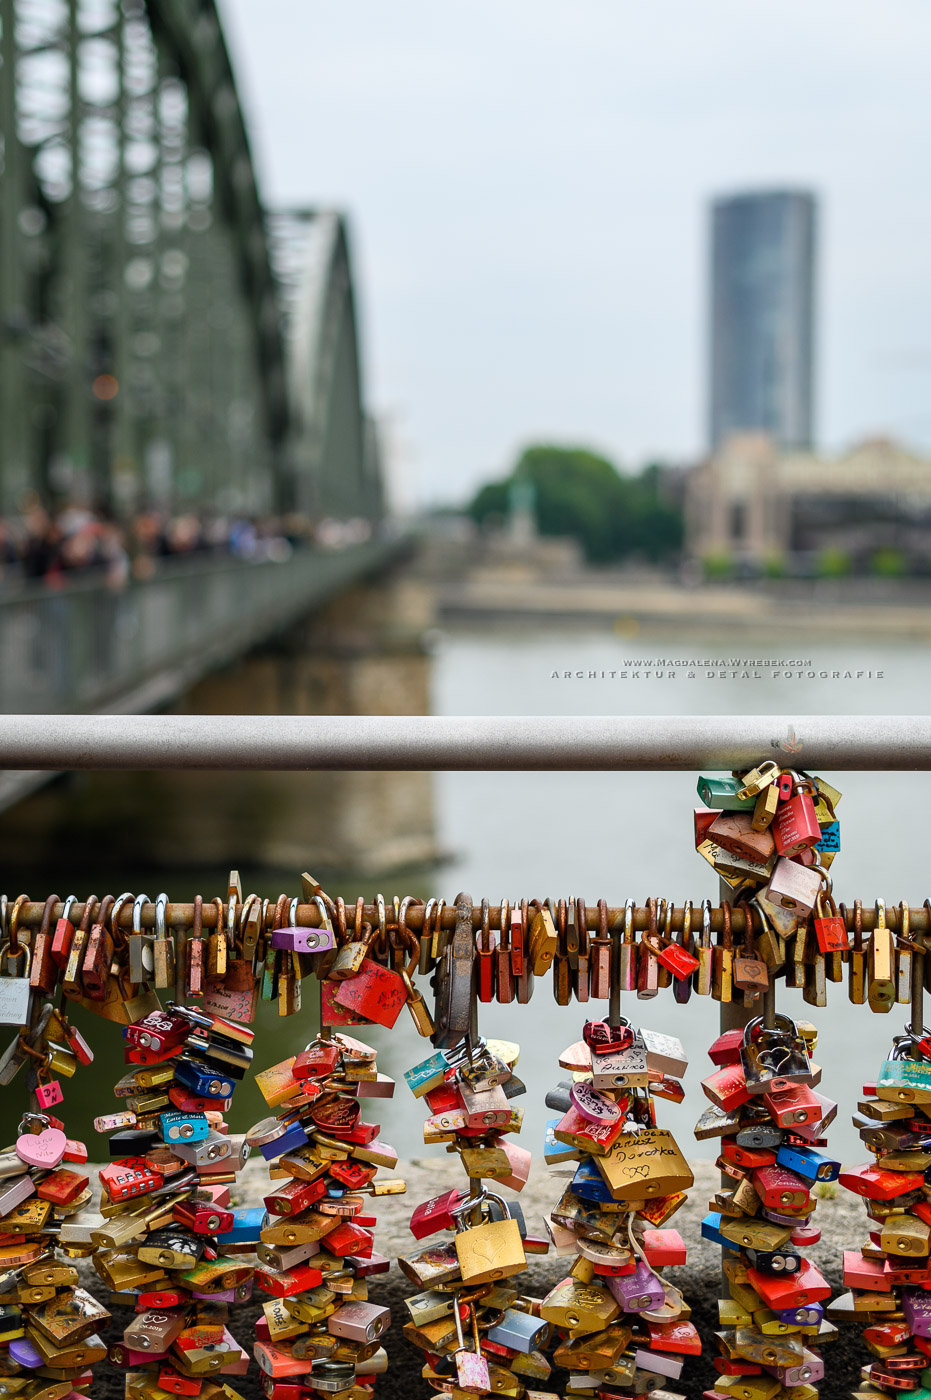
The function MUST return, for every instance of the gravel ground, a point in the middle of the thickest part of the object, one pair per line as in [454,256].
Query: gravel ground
[840,1217]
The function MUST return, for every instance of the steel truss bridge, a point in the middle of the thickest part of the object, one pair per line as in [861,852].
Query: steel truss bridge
[164,342]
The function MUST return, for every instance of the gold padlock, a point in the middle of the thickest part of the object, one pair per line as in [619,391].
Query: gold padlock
[579,1307]
[856,970]
[881,964]
[491,1250]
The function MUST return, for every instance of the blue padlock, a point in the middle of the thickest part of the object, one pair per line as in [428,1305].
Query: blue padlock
[201,1080]
[554,1150]
[807,1163]
[177,1127]
[830,837]
[520,1331]
[589,1184]
[429,1074]
[289,1141]
[711,1230]
[246,1227]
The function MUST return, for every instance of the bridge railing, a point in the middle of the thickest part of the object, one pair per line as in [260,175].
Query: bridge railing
[89,648]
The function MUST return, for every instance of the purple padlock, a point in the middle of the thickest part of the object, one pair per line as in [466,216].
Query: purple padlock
[240,1294]
[805,1372]
[916,1305]
[23,1352]
[639,1291]
[303,940]
[809,1316]
[792,1220]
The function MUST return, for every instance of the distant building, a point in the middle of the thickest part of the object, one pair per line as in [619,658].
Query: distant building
[762,316]
[753,503]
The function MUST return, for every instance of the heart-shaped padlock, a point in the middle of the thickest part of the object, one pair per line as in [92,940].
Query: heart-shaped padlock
[43,1149]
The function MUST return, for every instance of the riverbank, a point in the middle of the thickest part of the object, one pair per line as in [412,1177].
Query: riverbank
[793,608]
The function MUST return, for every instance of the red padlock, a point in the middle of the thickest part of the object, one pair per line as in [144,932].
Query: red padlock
[727,1087]
[830,929]
[604,1039]
[63,934]
[778,1188]
[793,1106]
[879,1185]
[435,1214]
[781,1291]
[726,1049]
[795,826]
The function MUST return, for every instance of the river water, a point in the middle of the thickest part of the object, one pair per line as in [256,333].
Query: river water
[615,835]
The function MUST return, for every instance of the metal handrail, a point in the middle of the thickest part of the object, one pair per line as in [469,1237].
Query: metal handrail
[370,742]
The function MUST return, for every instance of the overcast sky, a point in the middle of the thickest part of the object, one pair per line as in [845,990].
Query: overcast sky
[527,182]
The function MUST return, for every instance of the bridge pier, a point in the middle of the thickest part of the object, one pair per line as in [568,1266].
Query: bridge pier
[363,653]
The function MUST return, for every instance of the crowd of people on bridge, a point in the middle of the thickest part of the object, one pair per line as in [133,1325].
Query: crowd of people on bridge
[76,542]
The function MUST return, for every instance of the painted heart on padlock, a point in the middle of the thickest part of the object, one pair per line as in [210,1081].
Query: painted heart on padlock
[44,1149]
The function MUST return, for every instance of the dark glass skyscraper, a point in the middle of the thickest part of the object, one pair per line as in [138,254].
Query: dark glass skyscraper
[762,316]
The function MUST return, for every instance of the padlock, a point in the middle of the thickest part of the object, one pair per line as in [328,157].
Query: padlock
[750,973]
[601,951]
[724,793]
[673,956]
[792,886]
[856,957]
[723,967]
[489,1251]
[903,957]
[628,951]
[773,1056]
[881,964]
[734,832]
[15,992]
[759,779]
[764,811]
[795,827]
[43,972]
[830,927]
[703,977]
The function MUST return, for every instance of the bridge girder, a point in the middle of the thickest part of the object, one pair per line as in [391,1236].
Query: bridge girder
[142,354]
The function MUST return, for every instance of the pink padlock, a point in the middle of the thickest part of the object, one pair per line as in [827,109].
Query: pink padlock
[805,1372]
[49,1093]
[43,1149]
[595,1107]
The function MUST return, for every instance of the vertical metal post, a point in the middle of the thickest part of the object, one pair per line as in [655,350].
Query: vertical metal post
[13,424]
[918,992]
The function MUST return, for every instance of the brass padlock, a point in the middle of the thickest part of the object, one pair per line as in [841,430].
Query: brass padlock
[856,967]
[562,970]
[723,978]
[163,948]
[703,978]
[815,991]
[217,945]
[881,964]
[491,1250]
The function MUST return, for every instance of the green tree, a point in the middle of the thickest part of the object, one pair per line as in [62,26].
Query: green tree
[581,494]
